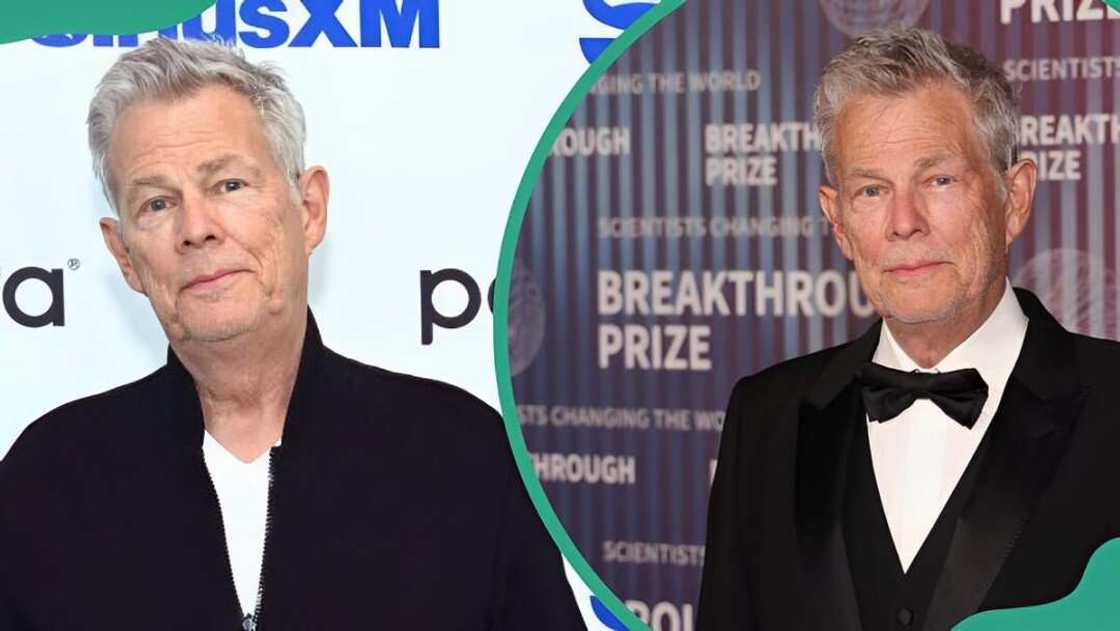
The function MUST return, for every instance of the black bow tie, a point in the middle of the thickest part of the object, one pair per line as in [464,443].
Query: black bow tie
[887,392]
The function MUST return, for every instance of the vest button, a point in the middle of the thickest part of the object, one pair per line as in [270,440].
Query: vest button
[905,617]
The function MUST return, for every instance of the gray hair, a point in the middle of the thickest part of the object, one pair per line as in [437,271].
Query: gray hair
[898,59]
[171,69]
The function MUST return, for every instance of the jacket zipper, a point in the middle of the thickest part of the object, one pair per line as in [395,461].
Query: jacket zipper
[264,553]
[221,524]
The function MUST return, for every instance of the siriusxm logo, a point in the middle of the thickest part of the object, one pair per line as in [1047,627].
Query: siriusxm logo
[269,24]
[618,16]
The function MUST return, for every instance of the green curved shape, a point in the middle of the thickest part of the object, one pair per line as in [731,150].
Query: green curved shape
[501,305]
[1092,606]
[1115,4]
[22,19]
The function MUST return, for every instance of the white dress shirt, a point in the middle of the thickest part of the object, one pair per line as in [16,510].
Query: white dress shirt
[243,498]
[919,456]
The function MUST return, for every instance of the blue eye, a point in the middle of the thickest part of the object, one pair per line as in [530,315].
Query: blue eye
[943,180]
[156,204]
[871,191]
[229,186]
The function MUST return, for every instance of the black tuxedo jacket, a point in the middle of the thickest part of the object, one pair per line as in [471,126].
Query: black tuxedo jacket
[1045,496]
[394,503]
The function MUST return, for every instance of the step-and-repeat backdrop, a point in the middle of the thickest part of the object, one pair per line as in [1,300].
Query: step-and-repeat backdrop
[674,243]
[425,113]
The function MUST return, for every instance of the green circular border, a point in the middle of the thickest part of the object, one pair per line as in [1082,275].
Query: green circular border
[501,305]
[501,343]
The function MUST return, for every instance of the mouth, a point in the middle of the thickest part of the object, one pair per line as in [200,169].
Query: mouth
[912,270]
[210,281]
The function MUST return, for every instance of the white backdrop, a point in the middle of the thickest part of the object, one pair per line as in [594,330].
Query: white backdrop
[424,146]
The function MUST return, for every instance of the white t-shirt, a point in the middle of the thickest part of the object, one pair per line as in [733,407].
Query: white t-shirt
[243,496]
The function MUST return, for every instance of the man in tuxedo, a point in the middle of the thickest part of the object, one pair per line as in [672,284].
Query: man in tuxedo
[258,478]
[962,454]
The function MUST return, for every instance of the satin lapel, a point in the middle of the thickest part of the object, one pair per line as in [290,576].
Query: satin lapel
[826,419]
[823,443]
[1030,434]
[827,415]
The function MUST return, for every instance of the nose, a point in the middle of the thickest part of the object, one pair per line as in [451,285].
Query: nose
[197,223]
[906,216]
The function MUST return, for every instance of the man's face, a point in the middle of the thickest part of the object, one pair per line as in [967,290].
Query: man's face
[210,229]
[918,209]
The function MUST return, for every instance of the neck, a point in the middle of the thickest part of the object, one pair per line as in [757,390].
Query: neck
[245,384]
[927,343]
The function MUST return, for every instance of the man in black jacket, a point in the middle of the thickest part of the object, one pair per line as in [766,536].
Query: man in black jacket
[258,477]
[959,456]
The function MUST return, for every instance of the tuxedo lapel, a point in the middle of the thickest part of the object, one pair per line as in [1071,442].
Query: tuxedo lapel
[827,418]
[823,445]
[1030,433]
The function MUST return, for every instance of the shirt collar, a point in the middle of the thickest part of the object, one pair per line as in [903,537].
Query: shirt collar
[992,349]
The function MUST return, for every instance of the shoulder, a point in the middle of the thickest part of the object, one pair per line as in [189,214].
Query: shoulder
[423,405]
[763,406]
[786,380]
[83,419]
[401,390]
[1093,358]
[400,420]
[1097,357]
[82,431]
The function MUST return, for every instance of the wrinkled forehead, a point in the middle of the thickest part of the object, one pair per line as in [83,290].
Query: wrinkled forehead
[197,123]
[926,122]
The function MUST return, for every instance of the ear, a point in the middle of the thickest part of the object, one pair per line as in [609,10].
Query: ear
[315,190]
[1021,180]
[114,240]
[830,203]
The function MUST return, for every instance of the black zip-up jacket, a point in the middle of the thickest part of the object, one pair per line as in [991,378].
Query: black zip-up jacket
[394,503]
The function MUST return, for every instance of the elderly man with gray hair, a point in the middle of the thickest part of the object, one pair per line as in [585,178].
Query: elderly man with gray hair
[257,478]
[959,456]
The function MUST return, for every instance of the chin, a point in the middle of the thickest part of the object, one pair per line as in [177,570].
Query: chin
[215,334]
[920,309]
[919,316]
[216,327]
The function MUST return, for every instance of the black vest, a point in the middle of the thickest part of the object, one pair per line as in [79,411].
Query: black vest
[888,598]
